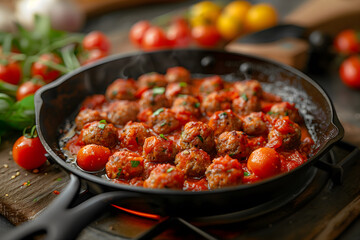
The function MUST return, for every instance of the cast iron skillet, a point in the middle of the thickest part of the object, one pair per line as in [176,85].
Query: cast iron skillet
[57,101]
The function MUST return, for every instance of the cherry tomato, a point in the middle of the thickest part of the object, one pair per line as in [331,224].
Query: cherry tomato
[137,32]
[10,72]
[206,35]
[264,162]
[350,72]
[260,16]
[26,89]
[28,152]
[93,157]
[204,13]
[347,41]
[94,55]
[96,40]
[179,33]
[155,38]
[48,74]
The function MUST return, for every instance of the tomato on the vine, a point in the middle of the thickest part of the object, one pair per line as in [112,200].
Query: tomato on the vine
[155,38]
[179,33]
[10,72]
[93,56]
[28,152]
[41,69]
[27,88]
[206,35]
[137,32]
[350,72]
[264,162]
[347,42]
[93,157]
[96,40]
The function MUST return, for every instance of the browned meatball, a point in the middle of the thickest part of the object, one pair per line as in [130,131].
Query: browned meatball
[122,89]
[216,101]
[154,99]
[159,149]
[249,88]
[86,116]
[133,135]
[224,172]
[151,80]
[93,102]
[124,164]
[165,176]
[193,162]
[177,74]
[285,109]
[244,105]
[223,121]
[211,84]
[285,134]
[163,120]
[100,133]
[187,105]
[199,135]
[255,124]
[175,89]
[234,144]
[122,111]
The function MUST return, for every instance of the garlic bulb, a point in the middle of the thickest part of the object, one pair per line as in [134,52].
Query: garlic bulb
[64,14]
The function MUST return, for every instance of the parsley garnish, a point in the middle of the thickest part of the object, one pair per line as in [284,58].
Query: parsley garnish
[197,105]
[158,90]
[102,124]
[246,174]
[244,96]
[169,170]
[135,163]
[119,172]
[163,124]
[162,136]
[182,84]
[223,115]
[200,137]
[157,112]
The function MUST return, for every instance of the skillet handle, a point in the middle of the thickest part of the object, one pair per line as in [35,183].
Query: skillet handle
[59,222]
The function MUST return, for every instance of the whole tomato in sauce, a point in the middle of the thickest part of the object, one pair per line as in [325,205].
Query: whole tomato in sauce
[93,157]
[264,162]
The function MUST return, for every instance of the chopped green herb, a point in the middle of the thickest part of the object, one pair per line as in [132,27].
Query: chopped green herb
[200,137]
[157,112]
[163,124]
[286,113]
[197,105]
[182,84]
[134,163]
[246,174]
[35,200]
[137,140]
[272,113]
[162,136]
[114,93]
[230,170]
[102,124]
[119,172]
[182,95]
[223,115]
[245,97]
[231,154]
[59,179]
[169,170]
[158,90]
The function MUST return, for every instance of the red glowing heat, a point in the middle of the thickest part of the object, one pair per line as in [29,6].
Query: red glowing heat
[141,214]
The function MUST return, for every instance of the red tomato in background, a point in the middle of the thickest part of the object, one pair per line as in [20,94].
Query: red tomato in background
[96,40]
[264,162]
[46,73]
[137,32]
[350,72]
[93,157]
[347,41]
[179,33]
[29,153]
[10,72]
[206,35]
[26,89]
[155,38]
[94,55]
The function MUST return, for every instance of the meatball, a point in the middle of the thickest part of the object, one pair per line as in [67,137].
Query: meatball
[255,124]
[133,135]
[124,164]
[177,74]
[100,133]
[211,84]
[159,149]
[249,88]
[122,89]
[217,101]
[154,99]
[285,109]
[175,89]
[199,135]
[163,120]
[244,105]
[93,102]
[86,116]
[122,111]
[187,105]
[223,121]
[193,162]
[224,172]
[165,176]
[151,80]
[234,144]
[285,134]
